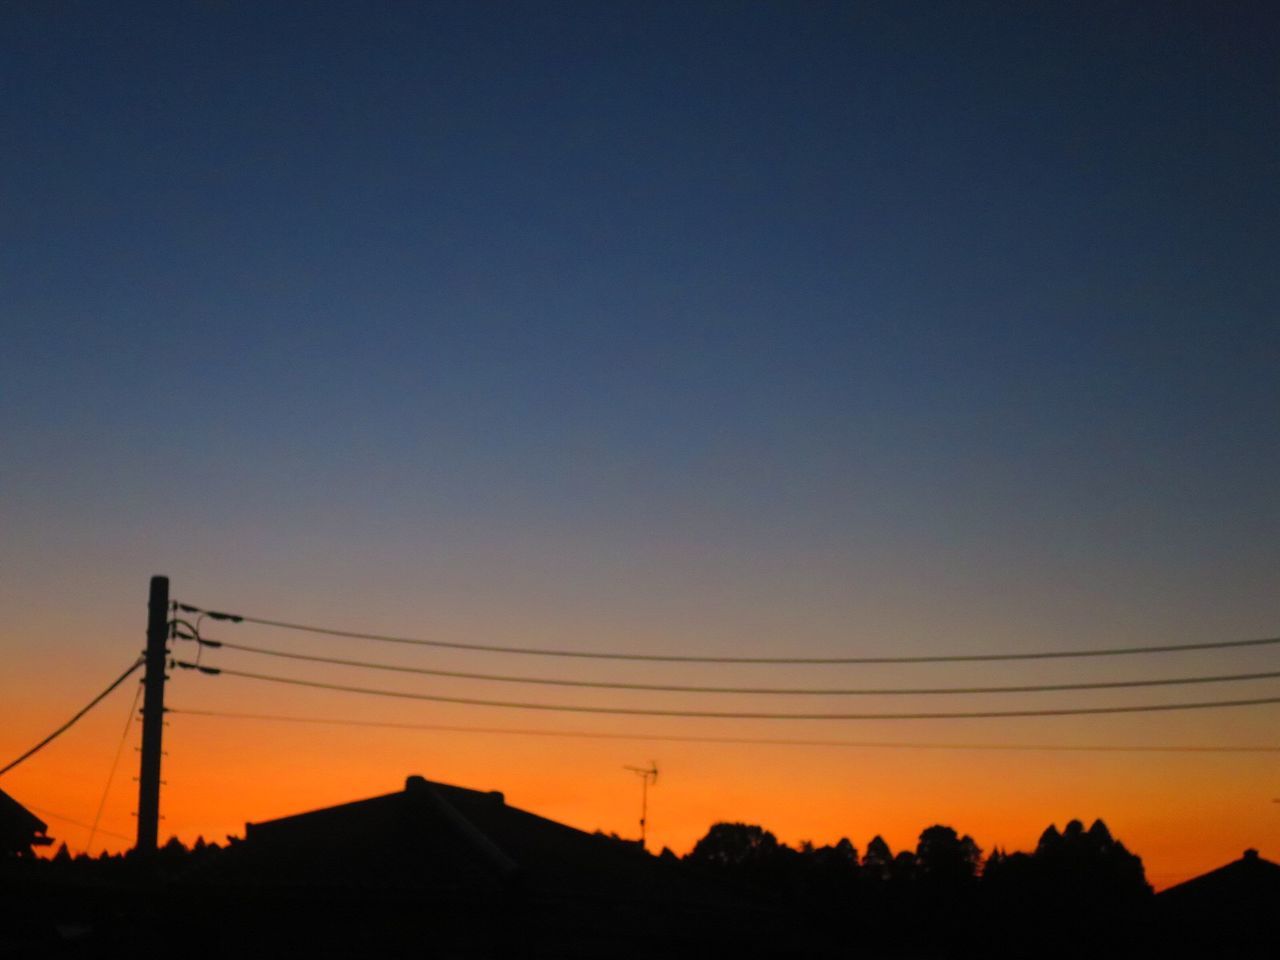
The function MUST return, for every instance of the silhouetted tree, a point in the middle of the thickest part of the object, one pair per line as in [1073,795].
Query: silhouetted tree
[877,859]
[1095,861]
[994,859]
[903,867]
[1050,841]
[751,855]
[826,876]
[735,845]
[1086,875]
[945,858]
[842,854]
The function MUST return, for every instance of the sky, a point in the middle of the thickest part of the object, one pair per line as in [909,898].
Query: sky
[755,329]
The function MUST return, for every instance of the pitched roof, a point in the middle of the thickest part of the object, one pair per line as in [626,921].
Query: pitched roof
[1243,882]
[1233,911]
[20,829]
[437,868]
[435,836]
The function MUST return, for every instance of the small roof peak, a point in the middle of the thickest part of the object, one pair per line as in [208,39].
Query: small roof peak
[1251,854]
[416,782]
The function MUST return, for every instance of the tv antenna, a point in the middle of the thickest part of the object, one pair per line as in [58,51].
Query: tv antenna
[647,776]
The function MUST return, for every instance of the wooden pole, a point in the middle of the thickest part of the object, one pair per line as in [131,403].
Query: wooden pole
[153,716]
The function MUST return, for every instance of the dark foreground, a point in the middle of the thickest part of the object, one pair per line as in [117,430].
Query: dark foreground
[56,911]
[435,870]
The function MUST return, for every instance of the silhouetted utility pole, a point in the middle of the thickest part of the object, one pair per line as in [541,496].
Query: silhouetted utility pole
[153,716]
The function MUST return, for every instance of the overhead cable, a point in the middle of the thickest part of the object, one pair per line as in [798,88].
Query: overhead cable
[678,658]
[79,823]
[734,715]
[67,726]
[781,691]
[756,741]
[111,774]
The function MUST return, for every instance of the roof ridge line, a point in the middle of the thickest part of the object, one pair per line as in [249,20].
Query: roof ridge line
[420,786]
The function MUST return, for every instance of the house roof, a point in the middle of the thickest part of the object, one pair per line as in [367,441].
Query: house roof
[464,871]
[1243,882]
[19,827]
[1233,911]
[435,836]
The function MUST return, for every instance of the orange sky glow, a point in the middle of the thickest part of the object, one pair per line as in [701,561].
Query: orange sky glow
[1183,813]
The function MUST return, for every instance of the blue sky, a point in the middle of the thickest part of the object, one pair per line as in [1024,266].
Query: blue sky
[969,300]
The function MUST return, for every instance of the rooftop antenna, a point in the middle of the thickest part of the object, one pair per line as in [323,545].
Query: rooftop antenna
[647,776]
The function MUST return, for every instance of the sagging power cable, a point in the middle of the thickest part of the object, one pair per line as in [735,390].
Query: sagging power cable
[674,658]
[733,715]
[780,691]
[67,726]
[755,741]
[111,774]
[79,823]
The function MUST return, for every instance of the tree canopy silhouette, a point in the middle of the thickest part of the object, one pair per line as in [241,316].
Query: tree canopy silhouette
[735,845]
[878,859]
[946,858]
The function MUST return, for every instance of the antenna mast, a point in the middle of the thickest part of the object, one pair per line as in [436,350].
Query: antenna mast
[647,776]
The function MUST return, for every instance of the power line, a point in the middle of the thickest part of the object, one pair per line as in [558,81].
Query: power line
[735,715]
[79,823]
[115,762]
[757,741]
[787,691]
[672,658]
[66,726]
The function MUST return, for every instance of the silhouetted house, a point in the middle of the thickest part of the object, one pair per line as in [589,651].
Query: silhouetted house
[20,829]
[433,836]
[471,872]
[1231,911]
[1251,880]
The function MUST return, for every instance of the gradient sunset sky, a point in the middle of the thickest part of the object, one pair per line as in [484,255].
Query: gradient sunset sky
[758,329]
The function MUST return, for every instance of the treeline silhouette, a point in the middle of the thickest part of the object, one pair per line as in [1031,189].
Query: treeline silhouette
[1078,890]
[171,859]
